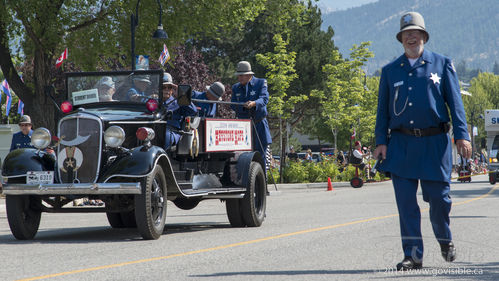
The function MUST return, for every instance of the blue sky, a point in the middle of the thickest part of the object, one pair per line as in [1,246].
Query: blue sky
[334,5]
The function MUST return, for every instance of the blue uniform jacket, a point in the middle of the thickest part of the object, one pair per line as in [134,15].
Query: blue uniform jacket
[418,97]
[179,112]
[257,91]
[133,92]
[19,140]
[204,109]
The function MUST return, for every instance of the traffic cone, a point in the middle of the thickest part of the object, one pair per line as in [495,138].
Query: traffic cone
[329,184]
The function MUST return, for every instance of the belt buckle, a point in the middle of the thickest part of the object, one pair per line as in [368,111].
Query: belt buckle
[417,132]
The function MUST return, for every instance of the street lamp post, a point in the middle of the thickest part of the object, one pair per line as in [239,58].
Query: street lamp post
[158,34]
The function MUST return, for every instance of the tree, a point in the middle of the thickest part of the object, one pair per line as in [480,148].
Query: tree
[475,106]
[347,101]
[486,85]
[281,72]
[313,46]
[92,29]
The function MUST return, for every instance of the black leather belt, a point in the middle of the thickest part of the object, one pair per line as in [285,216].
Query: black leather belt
[432,131]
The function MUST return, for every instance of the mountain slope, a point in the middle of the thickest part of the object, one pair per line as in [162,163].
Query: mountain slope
[465,30]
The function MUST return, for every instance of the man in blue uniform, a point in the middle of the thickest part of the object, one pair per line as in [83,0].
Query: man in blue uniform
[213,93]
[416,93]
[22,139]
[140,85]
[178,112]
[253,93]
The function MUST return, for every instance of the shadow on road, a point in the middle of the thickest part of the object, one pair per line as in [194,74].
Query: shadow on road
[104,234]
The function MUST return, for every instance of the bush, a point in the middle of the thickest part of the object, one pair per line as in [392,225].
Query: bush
[295,172]
[275,173]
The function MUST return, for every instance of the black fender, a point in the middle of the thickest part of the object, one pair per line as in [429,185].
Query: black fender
[137,162]
[19,161]
[243,166]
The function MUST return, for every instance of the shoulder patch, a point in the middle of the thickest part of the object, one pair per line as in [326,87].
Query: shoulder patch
[265,82]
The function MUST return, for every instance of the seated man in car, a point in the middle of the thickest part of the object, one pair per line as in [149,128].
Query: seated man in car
[106,88]
[178,112]
[140,85]
[213,93]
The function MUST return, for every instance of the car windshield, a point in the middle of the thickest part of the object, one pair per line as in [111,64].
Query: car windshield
[123,86]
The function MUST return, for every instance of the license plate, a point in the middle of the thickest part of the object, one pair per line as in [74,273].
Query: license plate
[40,177]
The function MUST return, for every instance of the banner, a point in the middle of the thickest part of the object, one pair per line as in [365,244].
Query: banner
[228,135]
[8,102]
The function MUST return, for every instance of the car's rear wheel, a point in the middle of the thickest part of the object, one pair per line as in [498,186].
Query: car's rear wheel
[253,204]
[24,214]
[234,212]
[150,206]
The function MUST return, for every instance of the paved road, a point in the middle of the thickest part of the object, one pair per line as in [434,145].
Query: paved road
[309,234]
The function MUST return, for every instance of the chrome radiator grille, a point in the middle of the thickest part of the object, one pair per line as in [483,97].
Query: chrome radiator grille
[79,150]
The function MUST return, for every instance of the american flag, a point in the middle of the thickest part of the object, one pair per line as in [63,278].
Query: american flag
[6,89]
[165,55]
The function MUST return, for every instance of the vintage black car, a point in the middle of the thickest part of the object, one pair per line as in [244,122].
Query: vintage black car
[111,147]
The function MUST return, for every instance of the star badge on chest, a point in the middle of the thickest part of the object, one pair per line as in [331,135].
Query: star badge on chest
[435,78]
[253,93]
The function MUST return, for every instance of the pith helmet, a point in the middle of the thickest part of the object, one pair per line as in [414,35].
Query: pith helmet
[412,20]
[167,79]
[25,119]
[217,89]
[243,67]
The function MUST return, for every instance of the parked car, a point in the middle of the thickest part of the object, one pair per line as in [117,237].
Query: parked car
[115,151]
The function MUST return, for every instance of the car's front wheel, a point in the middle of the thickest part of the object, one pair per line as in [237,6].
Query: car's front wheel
[150,206]
[24,214]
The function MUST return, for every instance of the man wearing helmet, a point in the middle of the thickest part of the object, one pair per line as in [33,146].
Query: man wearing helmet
[417,92]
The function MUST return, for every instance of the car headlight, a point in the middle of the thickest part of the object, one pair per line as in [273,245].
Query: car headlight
[114,136]
[41,138]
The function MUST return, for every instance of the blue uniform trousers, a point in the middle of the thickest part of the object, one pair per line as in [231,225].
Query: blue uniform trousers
[436,193]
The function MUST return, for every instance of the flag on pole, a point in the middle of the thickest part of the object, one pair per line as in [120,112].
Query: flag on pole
[165,55]
[5,88]
[20,107]
[353,134]
[63,56]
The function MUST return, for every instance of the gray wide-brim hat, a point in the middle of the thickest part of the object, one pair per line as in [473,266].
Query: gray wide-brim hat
[216,89]
[143,78]
[106,80]
[412,21]
[25,119]
[243,67]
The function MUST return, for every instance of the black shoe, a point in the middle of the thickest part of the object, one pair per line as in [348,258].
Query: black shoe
[408,264]
[448,251]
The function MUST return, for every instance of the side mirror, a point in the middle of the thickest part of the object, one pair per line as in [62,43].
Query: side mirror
[184,95]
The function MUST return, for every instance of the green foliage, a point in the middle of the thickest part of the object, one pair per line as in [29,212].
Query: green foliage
[275,174]
[295,172]
[305,172]
[281,72]
[348,101]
